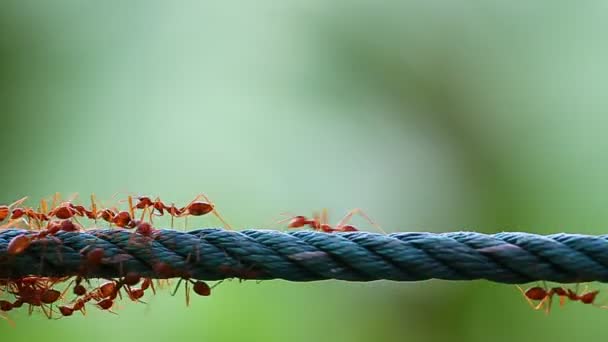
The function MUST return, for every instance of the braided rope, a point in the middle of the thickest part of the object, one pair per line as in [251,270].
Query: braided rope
[214,254]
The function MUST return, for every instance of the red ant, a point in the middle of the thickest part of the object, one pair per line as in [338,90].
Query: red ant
[31,214]
[145,202]
[17,213]
[21,242]
[122,219]
[194,208]
[319,223]
[5,210]
[545,296]
[92,214]
[104,295]
[35,291]
[65,210]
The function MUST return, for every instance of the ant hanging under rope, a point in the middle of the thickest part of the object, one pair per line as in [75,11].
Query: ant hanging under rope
[545,296]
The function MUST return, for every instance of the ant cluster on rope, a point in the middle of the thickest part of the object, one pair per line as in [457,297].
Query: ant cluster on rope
[63,216]
[51,295]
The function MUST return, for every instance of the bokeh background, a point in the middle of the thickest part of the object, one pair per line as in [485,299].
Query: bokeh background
[429,115]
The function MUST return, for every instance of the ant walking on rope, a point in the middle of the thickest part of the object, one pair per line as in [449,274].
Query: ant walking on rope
[320,222]
[195,208]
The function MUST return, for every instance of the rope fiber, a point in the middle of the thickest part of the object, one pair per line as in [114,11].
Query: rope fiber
[215,254]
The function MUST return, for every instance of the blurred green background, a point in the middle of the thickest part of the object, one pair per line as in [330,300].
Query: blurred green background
[429,115]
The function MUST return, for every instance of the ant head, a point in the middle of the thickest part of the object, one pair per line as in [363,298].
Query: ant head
[144,228]
[589,297]
[297,222]
[5,305]
[68,226]
[348,228]
[66,311]
[324,227]
[144,201]
[79,290]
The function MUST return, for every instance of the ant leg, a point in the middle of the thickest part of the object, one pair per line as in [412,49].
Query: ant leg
[94,209]
[523,293]
[143,213]
[217,283]
[18,202]
[8,320]
[179,282]
[44,209]
[288,216]
[324,216]
[56,200]
[131,210]
[187,293]
[172,217]
[72,197]
[10,223]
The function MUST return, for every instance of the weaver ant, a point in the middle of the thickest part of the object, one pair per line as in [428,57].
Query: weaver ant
[104,295]
[5,210]
[545,296]
[35,291]
[121,219]
[16,213]
[195,208]
[319,222]
[21,242]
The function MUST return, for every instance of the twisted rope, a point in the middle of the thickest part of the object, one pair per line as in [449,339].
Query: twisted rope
[214,254]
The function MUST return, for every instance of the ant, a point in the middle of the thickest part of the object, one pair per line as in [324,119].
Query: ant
[5,210]
[35,291]
[144,202]
[21,242]
[319,222]
[104,295]
[65,210]
[195,208]
[545,296]
[15,212]
[122,219]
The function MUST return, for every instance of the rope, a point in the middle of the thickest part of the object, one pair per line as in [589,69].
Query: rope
[214,254]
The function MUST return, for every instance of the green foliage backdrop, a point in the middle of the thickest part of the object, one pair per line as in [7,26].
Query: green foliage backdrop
[431,116]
